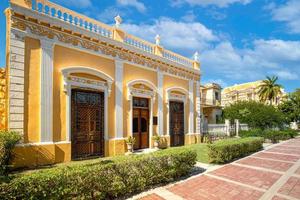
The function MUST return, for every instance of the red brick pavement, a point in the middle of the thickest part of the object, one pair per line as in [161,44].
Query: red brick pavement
[248,179]
[152,196]
[253,177]
[267,164]
[291,188]
[205,187]
[283,157]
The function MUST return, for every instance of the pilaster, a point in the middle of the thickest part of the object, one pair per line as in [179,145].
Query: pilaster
[160,120]
[16,82]
[46,126]
[198,108]
[191,103]
[119,98]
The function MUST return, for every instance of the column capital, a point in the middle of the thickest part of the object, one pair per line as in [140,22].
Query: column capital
[47,44]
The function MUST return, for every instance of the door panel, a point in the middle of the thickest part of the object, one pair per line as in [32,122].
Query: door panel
[176,123]
[87,117]
[140,123]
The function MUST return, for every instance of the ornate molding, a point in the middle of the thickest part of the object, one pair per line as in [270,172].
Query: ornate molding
[110,50]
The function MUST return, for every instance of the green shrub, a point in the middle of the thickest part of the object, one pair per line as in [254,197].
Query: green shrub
[224,151]
[256,132]
[8,141]
[276,136]
[108,179]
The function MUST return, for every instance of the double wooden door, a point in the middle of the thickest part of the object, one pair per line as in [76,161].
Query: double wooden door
[176,120]
[87,127]
[140,123]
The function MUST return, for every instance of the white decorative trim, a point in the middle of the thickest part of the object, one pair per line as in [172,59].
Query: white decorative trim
[119,99]
[46,112]
[160,120]
[134,92]
[175,97]
[80,82]
[191,110]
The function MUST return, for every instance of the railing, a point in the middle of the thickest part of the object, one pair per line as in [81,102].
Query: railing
[139,43]
[71,17]
[177,58]
[211,102]
[244,127]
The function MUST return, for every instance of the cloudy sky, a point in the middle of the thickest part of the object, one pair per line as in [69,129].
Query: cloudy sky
[238,40]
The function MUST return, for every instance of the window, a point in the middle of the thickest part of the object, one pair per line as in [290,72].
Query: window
[217,95]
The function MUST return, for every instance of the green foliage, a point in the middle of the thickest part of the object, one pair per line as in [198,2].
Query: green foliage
[269,89]
[255,114]
[8,141]
[273,135]
[156,138]
[291,107]
[108,179]
[224,151]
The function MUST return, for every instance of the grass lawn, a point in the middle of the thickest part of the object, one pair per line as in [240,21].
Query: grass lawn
[202,151]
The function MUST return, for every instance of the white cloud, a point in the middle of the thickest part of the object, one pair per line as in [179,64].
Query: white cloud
[266,57]
[289,13]
[204,3]
[109,13]
[134,3]
[176,35]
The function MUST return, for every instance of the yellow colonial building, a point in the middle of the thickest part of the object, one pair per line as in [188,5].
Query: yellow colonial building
[246,92]
[77,87]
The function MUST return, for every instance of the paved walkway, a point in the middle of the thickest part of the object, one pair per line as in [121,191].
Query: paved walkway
[271,174]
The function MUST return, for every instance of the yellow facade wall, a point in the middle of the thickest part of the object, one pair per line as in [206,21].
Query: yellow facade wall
[32,90]
[65,57]
[3,97]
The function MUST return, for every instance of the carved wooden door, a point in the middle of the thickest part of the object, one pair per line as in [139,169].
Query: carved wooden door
[176,120]
[140,123]
[87,116]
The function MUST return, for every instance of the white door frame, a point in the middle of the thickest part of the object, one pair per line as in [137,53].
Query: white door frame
[71,82]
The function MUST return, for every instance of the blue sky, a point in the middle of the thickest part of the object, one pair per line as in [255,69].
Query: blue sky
[238,40]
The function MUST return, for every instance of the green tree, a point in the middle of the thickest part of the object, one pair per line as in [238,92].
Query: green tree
[255,114]
[291,107]
[269,89]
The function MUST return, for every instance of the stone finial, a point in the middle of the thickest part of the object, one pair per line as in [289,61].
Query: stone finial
[157,40]
[118,21]
[196,56]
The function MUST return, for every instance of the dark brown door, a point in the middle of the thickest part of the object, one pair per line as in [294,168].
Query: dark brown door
[87,117]
[140,123]
[176,123]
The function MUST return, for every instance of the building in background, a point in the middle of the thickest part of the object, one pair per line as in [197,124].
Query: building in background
[246,92]
[211,103]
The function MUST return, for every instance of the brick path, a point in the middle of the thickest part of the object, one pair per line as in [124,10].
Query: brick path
[272,174]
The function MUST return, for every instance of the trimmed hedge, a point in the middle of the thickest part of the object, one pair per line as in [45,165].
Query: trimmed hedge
[108,179]
[227,150]
[273,135]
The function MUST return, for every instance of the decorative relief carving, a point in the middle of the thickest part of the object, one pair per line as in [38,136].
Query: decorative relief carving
[40,30]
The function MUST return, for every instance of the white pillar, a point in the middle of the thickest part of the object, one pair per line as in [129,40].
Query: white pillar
[237,127]
[198,108]
[119,98]
[191,110]
[160,120]
[46,126]
[227,125]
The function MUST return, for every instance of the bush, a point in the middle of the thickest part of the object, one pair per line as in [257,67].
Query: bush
[255,114]
[224,151]
[108,179]
[273,135]
[8,141]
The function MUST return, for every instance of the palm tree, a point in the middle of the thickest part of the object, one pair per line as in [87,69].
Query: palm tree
[269,89]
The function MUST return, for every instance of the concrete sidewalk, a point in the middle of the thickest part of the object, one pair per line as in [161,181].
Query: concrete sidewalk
[271,174]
